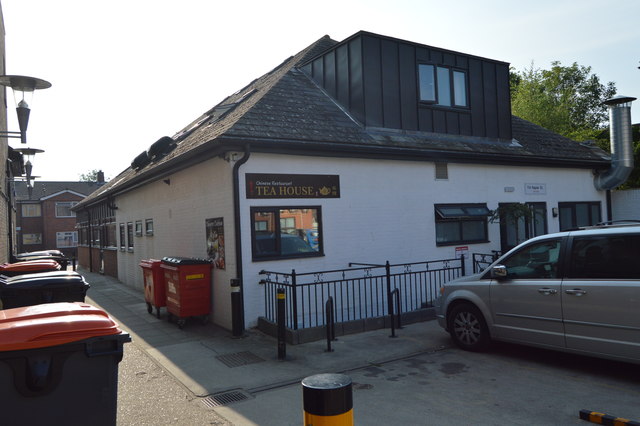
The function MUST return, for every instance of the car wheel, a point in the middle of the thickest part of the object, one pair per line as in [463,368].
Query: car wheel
[468,328]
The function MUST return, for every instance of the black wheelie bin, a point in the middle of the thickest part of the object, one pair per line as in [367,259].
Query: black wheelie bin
[59,365]
[44,287]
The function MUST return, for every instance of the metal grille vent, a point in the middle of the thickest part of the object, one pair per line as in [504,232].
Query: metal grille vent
[239,359]
[225,398]
[442,171]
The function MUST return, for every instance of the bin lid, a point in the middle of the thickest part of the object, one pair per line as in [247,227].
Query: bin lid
[185,261]
[56,253]
[31,265]
[52,324]
[60,276]
[148,263]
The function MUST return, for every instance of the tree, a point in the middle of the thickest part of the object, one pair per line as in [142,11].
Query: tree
[90,176]
[566,100]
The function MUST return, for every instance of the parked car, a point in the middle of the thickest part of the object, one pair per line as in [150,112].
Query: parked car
[575,291]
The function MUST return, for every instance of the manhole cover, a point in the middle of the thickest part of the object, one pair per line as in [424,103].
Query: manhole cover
[238,359]
[224,398]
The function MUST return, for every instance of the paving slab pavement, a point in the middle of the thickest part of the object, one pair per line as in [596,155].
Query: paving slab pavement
[208,360]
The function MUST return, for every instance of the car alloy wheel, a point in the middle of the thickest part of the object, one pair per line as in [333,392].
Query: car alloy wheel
[468,328]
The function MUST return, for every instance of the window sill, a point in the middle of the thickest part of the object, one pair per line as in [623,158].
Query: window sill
[270,258]
[457,243]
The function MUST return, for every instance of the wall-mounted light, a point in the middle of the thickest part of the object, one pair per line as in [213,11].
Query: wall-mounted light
[554,211]
[23,88]
[28,166]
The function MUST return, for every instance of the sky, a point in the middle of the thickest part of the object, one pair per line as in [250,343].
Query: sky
[124,73]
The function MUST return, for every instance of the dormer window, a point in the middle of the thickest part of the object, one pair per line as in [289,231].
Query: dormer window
[442,86]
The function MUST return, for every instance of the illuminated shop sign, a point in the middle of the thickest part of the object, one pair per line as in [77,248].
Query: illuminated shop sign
[292,186]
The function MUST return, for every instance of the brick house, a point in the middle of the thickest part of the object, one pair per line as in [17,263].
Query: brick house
[44,219]
[384,149]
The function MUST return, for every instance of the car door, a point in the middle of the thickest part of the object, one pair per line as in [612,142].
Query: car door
[526,304]
[601,295]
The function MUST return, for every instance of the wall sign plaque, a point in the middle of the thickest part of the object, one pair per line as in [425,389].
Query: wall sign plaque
[260,185]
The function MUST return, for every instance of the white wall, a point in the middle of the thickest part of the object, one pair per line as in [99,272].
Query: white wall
[179,211]
[385,212]
[386,209]
[626,204]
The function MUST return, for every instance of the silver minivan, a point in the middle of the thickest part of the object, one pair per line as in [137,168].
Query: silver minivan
[575,291]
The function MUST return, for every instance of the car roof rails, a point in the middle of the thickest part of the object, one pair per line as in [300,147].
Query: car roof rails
[610,223]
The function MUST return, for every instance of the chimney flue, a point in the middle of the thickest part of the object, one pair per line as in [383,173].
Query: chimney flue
[621,144]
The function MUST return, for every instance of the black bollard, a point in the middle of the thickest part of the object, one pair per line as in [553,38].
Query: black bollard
[328,400]
[282,343]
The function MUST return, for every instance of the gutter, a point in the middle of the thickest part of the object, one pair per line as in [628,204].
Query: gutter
[238,328]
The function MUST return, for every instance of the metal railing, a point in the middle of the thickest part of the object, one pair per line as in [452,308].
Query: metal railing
[359,292]
[481,261]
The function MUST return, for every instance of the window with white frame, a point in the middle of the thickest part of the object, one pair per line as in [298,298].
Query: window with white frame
[31,210]
[67,239]
[148,227]
[63,209]
[30,239]
[442,85]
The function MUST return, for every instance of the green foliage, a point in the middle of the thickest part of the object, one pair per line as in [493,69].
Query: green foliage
[512,213]
[566,100]
[90,176]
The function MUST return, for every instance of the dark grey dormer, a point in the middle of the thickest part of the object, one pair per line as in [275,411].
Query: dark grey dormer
[390,83]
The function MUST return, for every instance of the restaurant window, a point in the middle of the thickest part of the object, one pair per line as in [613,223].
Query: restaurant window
[148,227]
[461,223]
[576,215]
[123,237]
[286,232]
[110,229]
[130,236]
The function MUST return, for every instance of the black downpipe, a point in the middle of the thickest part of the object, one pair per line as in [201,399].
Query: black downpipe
[238,236]
[90,237]
[609,209]
[10,254]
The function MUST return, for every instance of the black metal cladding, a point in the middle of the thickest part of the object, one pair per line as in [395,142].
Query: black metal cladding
[376,79]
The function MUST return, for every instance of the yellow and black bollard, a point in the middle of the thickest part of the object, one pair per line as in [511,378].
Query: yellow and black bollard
[328,400]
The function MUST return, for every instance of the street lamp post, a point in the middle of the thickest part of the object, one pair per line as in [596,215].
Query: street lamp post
[23,88]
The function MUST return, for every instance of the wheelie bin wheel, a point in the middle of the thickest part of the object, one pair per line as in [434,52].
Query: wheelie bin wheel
[149,308]
[181,323]
[158,312]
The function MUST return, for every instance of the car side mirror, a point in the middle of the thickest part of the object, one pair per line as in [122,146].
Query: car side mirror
[499,272]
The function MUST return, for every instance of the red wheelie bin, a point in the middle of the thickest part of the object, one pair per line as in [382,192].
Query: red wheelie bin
[154,286]
[188,288]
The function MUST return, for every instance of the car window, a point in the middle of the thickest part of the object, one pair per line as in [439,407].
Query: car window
[537,260]
[609,256]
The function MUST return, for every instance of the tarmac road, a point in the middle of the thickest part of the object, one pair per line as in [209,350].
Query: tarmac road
[167,375]
[148,395]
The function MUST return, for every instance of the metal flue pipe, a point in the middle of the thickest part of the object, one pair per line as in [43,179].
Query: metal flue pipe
[621,144]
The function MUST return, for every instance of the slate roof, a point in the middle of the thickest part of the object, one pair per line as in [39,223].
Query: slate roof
[42,189]
[285,111]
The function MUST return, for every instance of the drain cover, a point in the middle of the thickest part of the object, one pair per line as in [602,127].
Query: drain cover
[224,398]
[238,359]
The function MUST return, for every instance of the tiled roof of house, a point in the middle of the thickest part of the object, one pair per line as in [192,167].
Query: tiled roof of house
[43,189]
[285,110]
